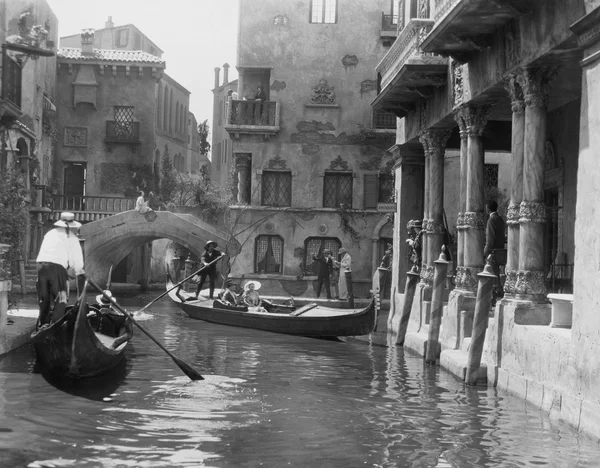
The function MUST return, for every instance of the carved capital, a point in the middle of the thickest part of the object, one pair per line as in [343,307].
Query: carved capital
[512,215]
[517,100]
[242,161]
[530,282]
[435,227]
[532,212]
[458,277]
[434,140]
[510,284]
[474,220]
[469,279]
[536,85]
[462,126]
[460,220]
[475,118]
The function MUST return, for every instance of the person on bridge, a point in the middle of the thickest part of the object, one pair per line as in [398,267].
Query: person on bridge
[210,255]
[60,250]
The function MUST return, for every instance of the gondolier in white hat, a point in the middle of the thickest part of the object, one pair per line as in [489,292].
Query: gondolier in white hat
[60,251]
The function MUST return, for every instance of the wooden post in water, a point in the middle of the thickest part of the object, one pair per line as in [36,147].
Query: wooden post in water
[437,307]
[188,271]
[412,278]
[348,276]
[480,321]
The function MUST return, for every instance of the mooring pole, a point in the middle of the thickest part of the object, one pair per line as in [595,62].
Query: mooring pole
[348,276]
[412,278]
[437,307]
[480,321]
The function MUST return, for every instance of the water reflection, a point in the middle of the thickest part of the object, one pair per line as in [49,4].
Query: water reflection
[269,400]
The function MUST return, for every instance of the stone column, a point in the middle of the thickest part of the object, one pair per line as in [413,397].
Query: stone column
[460,233]
[475,118]
[516,191]
[532,213]
[426,187]
[242,167]
[434,143]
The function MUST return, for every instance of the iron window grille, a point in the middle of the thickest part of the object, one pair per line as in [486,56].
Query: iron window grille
[276,188]
[315,246]
[123,128]
[323,11]
[337,190]
[384,120]
[491,175]
[268,254]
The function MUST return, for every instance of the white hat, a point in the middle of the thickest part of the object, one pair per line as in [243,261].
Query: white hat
[100,299]
[255,283]
[67,220]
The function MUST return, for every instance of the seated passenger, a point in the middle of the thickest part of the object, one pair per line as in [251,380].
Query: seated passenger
[231,294]
[251,297]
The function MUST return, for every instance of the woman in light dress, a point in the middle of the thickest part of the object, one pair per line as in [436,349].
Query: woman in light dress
[345,264]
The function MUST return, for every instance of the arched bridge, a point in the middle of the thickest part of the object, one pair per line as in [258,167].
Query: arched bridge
[109,240]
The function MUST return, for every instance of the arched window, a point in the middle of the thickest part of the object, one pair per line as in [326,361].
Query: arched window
[165,122]
[316,245]
[268,254]
[22,147]
[159,106]
[171,110]
[177,117]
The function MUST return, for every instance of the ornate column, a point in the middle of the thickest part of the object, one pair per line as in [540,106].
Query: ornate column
[426,216]
[532,213]
[434,143]
[242,167]
[474,119]
[516,191]
[460,233]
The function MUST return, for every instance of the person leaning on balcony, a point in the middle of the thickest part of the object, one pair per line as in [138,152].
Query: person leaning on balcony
[260,94]
[60,251]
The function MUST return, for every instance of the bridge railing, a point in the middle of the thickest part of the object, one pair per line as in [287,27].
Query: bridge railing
[90,203]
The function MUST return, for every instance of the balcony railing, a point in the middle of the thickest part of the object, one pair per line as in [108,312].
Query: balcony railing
[92,204]
[11,80]
[442,7]
[389,22]
[406,46]
[122,131]
[260,117]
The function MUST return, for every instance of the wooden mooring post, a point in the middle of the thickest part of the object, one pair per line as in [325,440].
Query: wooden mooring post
[437,307]
[412,278]
[348,276]
[480,321]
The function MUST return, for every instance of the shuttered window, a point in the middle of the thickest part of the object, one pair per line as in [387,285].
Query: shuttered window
[371,191]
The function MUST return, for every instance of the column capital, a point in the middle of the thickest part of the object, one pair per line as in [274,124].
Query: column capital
[532,212]
[512,215]
[517,100]
[242,161]
[536,85]
[474,117]
[474,220]
[434,140]
[462,126]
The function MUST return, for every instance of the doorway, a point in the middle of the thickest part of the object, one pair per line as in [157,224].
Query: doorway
[74,186]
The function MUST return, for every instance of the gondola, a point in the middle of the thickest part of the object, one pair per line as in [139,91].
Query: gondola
[88,341]
[310,320]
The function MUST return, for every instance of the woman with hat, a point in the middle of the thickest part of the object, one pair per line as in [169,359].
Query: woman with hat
[210,255]
[60,250]
[251,297]
[345,264]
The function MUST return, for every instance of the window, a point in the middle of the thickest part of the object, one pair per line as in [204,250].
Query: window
[122,37]
[268,254]
[316,245]
[276,188]
[395,5]
[323,11]
[379,188]
[491,175]
[384,120]
[337,189]
[386,188]
[123,122]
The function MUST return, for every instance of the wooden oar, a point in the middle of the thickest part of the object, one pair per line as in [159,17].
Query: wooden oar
[108,279]
[184,366]
[181,282]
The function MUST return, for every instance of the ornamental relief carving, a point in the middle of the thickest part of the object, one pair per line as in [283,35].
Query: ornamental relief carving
[75,136]
[322,93]
[474,220]
[277,163]
[458,277]
[475,118]
[512,215]
[510,284]
[457,83]
[435,227]
[470,280]
[460,221]
[533,212]
[515,92]
[536,85]
[338,164]
[530,282]
[427,275]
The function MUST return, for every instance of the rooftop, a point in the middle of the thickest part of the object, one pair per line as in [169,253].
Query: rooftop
[125,56]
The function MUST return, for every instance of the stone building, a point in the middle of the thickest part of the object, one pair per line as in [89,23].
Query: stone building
[311,166]
[478,77]
[28,33]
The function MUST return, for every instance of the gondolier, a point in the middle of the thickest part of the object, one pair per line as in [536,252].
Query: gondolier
[60,250]
[210,255]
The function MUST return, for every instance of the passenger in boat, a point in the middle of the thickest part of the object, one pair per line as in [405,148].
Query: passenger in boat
[60,250]
[251,297]
[210,255]
[231,294]
[345,264]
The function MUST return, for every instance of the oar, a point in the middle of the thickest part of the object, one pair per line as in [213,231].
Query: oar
[109,278]
[184,366]
[181,282]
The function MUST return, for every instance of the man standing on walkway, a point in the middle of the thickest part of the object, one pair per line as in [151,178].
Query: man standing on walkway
[494,245]
[60,251]
[325,270]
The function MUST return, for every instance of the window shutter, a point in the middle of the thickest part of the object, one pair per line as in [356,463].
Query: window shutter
[370,191]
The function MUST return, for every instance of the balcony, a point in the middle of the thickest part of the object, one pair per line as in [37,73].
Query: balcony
[464,27]
[10,97]
[252,117]
[407,73]
[87,208]
[126,132]
[389,29]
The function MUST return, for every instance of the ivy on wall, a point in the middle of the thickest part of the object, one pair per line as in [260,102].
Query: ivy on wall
[126,178]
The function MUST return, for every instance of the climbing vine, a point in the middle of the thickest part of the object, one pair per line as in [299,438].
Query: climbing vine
[348,221]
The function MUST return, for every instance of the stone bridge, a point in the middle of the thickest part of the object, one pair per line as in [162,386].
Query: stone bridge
[109,240]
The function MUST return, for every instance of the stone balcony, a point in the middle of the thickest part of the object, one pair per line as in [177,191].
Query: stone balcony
[464,27]
[407,73]
[252,118]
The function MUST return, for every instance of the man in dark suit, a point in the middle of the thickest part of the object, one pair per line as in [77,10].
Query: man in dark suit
[325,270]
[494,245]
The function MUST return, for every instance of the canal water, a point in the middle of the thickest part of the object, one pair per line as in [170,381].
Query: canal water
[269,401]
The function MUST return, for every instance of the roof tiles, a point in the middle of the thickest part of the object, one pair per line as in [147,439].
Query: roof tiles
[100,55]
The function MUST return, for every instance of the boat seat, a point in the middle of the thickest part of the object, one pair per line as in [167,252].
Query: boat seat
[304,309]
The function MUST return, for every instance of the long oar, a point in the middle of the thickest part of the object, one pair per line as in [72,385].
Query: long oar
[184,366]
[181,282]
[108,281]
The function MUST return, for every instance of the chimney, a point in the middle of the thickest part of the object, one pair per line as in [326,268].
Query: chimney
[225,73]
[109,23]
[217,70]
[87,41]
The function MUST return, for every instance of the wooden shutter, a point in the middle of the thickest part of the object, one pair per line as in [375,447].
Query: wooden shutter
[370,191]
